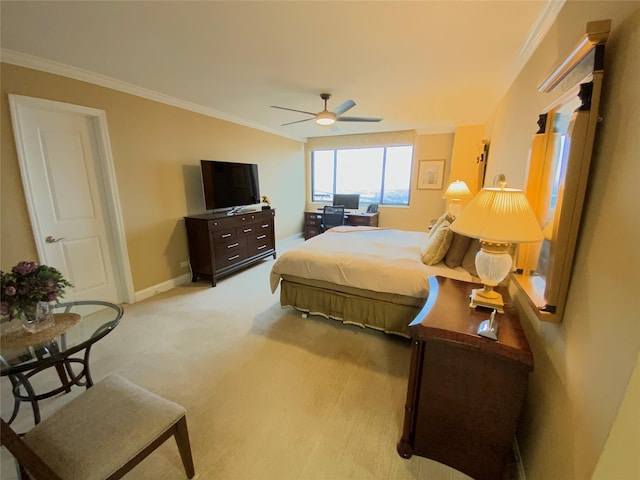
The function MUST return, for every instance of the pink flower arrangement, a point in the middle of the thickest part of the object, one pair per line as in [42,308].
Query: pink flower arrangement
[27,284]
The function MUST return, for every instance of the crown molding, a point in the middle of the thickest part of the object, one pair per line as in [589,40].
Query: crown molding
[37,63]
[540,28]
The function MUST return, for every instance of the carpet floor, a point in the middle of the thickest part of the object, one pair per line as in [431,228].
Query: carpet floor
[269,395]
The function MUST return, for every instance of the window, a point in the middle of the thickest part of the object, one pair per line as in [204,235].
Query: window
[379,174]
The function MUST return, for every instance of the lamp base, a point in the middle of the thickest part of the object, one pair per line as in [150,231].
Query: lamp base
[479,299]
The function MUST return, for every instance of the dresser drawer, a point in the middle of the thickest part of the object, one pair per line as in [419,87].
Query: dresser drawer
[311,232]
[313,220]
[264,226]
[231,252]
[356,220]
[246,230]
[223,236]
[260,244]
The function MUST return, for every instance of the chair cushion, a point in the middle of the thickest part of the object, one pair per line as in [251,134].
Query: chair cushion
[102,429]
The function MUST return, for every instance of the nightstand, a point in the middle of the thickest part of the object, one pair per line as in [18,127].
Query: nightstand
[465,392]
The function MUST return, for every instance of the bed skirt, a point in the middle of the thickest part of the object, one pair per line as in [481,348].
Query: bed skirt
[389,313]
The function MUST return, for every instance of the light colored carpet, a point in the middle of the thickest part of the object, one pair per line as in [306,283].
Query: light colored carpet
[269,395]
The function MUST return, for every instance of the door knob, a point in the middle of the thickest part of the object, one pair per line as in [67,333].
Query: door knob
[50,239]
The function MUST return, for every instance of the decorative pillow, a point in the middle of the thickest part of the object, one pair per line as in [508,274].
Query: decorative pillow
[445,217]
[437,245]
[469,259]
[459,246]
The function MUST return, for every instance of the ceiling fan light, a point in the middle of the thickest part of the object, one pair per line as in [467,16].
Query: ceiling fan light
[325,118]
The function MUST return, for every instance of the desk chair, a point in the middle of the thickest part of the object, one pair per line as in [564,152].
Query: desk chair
[101,434]
[332,216]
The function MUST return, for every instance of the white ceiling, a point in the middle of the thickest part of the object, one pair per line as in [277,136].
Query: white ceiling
[424,65]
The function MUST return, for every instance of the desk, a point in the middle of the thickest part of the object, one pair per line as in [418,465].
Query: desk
[465,392]
[76,327]
[313,219]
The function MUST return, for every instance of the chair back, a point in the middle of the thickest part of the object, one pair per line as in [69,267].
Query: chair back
[332,216]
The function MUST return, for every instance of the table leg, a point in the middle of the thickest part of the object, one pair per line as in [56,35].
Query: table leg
[87,373]
[16,402]
[31,397]
[62,374]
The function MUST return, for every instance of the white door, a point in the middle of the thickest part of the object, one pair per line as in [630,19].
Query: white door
[65,164]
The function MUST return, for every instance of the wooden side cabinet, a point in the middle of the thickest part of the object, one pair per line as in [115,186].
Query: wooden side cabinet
[465,391]
[221,244]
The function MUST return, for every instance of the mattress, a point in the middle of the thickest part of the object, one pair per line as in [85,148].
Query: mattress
[367,258]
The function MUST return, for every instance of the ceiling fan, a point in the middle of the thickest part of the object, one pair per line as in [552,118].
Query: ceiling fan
[325,117]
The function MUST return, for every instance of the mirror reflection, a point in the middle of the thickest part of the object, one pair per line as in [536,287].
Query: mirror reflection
[558,171]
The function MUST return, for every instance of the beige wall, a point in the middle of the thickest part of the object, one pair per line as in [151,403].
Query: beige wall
[583,365]
[424,205]
[619,458]
[156,150]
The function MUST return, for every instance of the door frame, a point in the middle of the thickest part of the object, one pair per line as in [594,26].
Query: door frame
[106,179]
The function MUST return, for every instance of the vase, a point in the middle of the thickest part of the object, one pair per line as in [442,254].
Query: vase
[37,317]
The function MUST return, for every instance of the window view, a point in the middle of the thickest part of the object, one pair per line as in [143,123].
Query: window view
[379,174]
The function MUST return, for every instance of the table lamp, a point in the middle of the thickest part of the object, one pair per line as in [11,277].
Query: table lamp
[455,192]
[498,217]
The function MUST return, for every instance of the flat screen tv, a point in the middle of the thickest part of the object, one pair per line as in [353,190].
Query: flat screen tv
[351,201]
[229,184]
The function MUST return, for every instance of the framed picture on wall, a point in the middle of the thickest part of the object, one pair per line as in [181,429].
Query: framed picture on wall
[430,174]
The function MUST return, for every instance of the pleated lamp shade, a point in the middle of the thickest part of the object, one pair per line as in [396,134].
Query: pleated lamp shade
[457,190]
[499,215]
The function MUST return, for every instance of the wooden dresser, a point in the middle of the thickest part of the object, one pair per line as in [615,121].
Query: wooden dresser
[221,244]
[313,220]
[465,392]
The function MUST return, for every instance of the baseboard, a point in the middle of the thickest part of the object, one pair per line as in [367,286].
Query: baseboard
[162,287]
[520,475]
[186,278]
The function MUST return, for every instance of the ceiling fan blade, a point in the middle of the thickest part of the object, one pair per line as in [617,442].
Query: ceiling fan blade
[293,110]
[358,119]
[297,121]
[343,107]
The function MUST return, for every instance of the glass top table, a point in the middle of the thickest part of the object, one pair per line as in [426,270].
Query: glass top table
[75,328]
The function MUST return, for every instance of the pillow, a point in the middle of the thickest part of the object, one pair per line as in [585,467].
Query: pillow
[445,217]
[469,259]
[459,245]
[437,244]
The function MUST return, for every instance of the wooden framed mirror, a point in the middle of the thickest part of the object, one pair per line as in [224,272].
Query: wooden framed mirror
[558,171]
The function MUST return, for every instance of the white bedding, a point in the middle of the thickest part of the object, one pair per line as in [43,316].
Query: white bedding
[370,258]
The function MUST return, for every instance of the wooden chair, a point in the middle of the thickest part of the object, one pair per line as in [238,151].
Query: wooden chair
[101,434]
[332,216]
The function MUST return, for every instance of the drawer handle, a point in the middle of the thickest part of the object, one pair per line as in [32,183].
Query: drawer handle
[233,245]
[261,247]
[233,258]
[247,230]
[260,237]
[225,235]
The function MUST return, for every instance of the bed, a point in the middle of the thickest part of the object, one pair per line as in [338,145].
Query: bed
[366,276]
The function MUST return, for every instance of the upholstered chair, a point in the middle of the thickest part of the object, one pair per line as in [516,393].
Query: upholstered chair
[101,434]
